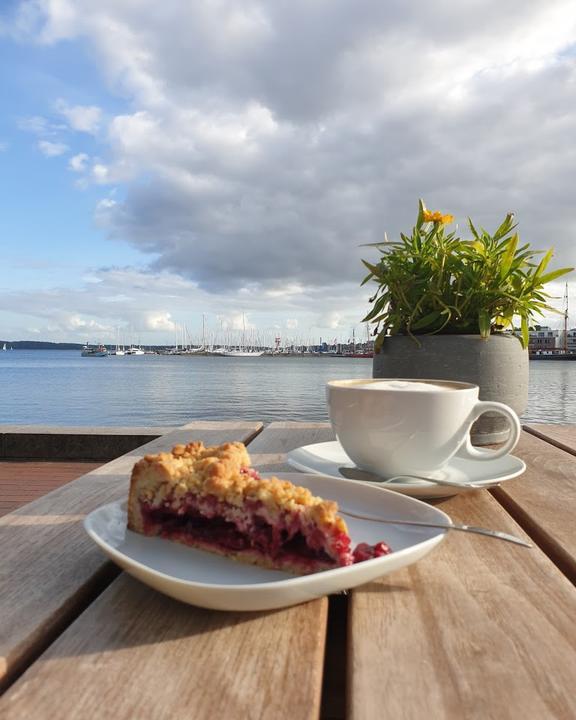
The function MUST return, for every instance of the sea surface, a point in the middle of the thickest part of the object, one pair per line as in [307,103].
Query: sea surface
[59,387]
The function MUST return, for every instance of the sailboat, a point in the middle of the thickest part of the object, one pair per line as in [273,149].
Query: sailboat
[4,348]
[363,351]
[242,351]
[120,350]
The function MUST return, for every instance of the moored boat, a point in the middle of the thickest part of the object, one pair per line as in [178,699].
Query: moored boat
[94,351]
[242,353]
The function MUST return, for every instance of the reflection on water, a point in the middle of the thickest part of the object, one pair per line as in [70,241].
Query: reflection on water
[552,392]
[50,387]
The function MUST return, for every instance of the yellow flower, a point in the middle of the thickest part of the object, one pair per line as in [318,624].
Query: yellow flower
[437,217]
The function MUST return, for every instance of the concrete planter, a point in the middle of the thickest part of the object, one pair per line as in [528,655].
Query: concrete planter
[498,365]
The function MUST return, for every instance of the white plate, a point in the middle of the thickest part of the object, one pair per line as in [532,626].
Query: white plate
[211,581]
[329,458]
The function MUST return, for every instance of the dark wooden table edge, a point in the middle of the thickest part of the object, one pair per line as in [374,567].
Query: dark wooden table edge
[550,440]
[543,540]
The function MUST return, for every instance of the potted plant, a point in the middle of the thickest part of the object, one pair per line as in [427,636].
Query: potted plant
[446,308]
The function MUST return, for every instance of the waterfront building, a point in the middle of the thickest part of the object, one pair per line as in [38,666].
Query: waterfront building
[542,338]
[571,340]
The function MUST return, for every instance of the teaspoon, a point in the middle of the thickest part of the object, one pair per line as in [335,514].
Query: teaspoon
[356,474]
[496,534]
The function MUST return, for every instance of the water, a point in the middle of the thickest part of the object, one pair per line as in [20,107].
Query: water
[57,387]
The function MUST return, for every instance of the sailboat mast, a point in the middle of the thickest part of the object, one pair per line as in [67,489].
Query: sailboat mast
[566,319]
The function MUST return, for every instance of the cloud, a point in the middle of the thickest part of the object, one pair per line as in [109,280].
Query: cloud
[52,149]
[159,321]
[78,162]
[35,124]
[4,146]
[140,306]
[261,144]
[331,320]
[152,305]
[82,118]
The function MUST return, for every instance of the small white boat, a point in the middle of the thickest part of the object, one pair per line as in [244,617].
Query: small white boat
[134,351]
[120,349]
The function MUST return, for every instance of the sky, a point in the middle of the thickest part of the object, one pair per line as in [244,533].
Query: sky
[219,164]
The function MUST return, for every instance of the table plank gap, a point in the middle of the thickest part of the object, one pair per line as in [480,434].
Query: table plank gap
[334,684]
[542,500]
[562,436]
[558,555]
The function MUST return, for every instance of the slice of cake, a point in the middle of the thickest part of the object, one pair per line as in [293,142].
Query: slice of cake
[210,498]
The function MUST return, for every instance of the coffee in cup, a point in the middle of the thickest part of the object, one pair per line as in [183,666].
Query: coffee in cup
[400,427]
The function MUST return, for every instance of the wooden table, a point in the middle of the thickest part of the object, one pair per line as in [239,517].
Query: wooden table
[477,629]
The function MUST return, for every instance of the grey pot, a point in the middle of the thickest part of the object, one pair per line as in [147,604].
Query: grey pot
[498,365]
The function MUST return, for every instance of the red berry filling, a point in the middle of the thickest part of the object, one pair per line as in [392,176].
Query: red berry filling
[364,551]
[210,523]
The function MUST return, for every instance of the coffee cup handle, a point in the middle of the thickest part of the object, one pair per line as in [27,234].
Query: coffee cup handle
[515,429]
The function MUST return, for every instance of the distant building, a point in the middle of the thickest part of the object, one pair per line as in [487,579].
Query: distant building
[542,338]
[571,340]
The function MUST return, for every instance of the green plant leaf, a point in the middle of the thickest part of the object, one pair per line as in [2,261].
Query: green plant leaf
[508,257]
[427,320]
[421,210]
[525,332]
[553,275]
[373,268]
[484,323]
[506,226]
[544,262]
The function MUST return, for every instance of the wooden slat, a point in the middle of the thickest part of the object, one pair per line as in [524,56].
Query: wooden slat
[268,451]
[543,500]
[137,654]
[21,482]
[563,436]
[478,629]
[49,568]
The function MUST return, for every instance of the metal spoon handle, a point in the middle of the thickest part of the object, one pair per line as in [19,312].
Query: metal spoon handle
[356,474]
[497,534]
[445,481]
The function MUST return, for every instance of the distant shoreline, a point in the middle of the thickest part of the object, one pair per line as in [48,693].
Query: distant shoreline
[346,351]
[39,345]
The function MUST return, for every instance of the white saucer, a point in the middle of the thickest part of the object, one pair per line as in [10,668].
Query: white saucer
[329,458]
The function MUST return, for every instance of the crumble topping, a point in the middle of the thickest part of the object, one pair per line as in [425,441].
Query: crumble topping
[224,472]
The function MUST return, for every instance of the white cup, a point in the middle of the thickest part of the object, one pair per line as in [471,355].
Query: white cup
[397,427]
